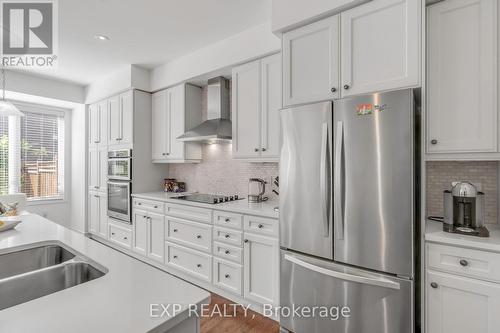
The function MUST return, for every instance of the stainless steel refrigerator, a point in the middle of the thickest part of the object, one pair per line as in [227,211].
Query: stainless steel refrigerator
[347,213]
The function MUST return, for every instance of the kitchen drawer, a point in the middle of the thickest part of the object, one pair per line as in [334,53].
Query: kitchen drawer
[228,252]
[261,225]
[228,275]
[228,220]
[149,205]
[467,262]
[120,235]
[189,213]
[191,234]
[228,236]
[190,261]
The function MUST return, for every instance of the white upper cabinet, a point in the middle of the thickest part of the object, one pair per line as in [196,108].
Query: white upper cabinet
[175,110]
[311,62]
[462,77]
[121,112]
[271,105]
[380,46]
[98,125]
[256,101]
[246,96]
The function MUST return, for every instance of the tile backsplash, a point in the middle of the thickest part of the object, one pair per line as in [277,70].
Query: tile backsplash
[440,175]
[219,172]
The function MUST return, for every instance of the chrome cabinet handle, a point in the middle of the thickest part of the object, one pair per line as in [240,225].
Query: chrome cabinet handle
[112,234]
[346,86]
[227,220]
[261,226]
[333,89]
[175,230]
[175,257]
[227,236]
[464,262]
[227,276]
[198,265]
[227,252]
[263,149]
[125,238]
[256,149]
[434,141]
[96,196]
[246,241]
[96,187]
[139,204]
[434,285]
[198,236]
[155,206]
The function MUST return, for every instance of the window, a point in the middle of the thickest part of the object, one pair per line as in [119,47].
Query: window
[32,153]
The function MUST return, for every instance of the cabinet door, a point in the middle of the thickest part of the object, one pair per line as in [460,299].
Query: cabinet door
[94,125]
[103,169]
[140,234]
[311,62]
[126,117]
[160,125]
[103,123]
[261,269]
[156,237]
[380,46]
[103,215]
[176,106]
[246,96]
[114,120]
[452,299]
[94,169]
[271,104]
[94,212]
[461,77]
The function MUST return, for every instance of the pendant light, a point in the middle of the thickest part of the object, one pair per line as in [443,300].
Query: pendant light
[7,108]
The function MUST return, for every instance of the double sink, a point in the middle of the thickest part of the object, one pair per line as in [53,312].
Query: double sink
[40,269]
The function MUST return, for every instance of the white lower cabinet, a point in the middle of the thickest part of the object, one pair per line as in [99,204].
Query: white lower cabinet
[261,269]
[148,238]
[119,233]
[232,252]
[461,305]
[98,214]
[227,275]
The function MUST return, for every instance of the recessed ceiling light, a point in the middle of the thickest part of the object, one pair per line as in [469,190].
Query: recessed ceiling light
[101,37]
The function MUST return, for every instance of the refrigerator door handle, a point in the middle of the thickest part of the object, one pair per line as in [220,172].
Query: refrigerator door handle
[324,179]
[338,186]
[374,281]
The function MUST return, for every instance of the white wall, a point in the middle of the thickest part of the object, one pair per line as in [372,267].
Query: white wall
[288,14]
[250,44]
[77,214]
[44,87]
[130,76]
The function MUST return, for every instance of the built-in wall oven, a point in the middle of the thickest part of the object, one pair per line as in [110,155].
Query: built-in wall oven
[120,184]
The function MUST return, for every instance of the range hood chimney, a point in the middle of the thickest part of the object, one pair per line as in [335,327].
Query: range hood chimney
[217,127]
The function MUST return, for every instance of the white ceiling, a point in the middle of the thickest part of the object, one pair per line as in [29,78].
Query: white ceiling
[143,32]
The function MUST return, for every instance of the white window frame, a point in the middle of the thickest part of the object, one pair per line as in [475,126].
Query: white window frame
[64,179]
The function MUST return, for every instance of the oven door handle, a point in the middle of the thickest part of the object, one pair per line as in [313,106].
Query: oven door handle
[119,183]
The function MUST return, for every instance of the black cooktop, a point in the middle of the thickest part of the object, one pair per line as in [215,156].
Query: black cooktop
[208,198]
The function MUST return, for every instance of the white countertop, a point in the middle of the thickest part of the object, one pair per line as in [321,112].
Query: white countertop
[119,301]
[265,208]
[434,233]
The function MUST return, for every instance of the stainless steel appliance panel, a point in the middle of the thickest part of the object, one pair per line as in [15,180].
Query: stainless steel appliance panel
[119,202]
[305,179]
[120,164]
[373,182]
[378,303]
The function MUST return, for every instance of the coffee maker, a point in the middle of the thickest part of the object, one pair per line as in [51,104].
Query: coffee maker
[464,210]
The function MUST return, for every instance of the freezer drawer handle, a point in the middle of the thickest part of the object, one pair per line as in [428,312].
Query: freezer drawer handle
[338,186]
[380,282]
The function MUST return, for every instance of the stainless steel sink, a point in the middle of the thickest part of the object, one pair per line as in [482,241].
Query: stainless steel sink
[31,259]
[45,270]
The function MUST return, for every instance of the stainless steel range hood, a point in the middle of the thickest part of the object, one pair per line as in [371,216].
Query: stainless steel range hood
[218,125]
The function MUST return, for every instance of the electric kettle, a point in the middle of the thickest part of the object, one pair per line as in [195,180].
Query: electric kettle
[256,190]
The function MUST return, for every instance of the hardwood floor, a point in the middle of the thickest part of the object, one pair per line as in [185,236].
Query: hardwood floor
[253,322]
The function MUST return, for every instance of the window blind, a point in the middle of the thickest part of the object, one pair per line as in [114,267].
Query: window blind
[32,154]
